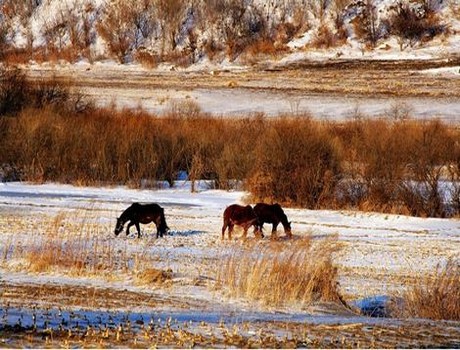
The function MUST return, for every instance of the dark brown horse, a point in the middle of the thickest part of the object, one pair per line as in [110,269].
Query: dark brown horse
[242,216]
[142,214]
[272,214]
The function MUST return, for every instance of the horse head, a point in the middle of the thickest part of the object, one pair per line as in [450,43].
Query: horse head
[119,226]
[162,226]
[287,228]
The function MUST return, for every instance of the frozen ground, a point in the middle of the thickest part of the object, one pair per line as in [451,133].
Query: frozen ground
[326,89]
[381,254]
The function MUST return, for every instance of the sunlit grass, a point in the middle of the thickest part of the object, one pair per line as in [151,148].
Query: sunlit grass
[299,272]
[434,296]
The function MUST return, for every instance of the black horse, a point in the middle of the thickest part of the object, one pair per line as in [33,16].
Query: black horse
[273,214]
[142,214]
[242,216]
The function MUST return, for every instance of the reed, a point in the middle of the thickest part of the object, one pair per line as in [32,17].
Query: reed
[300,272]
[434,296]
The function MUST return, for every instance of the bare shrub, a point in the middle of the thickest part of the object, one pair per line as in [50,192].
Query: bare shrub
[153,276]
[118,29]
[433,147]
[4,43]
[366,25]
[262,48]
[300,272]
[324,38]
[412,24]
[147,59]
[17,93]
[238,24]
[171,14]
[16,19]
[69,34]
[300,161]
[384,162]
[435,296]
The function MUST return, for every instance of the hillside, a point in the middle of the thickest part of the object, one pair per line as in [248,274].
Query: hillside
[242,32]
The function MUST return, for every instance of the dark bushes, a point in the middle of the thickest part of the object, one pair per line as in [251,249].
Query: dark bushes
[17,93]
[13,90]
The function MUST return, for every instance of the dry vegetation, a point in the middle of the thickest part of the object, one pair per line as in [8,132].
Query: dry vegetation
[72,243]
[394,165]
[291,273]
[435,296]
[181,32]
[297,273]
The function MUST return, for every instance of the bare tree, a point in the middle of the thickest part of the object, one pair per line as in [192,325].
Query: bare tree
[366,24]
[411,24]
[21,12]
[171,15]
[117,29]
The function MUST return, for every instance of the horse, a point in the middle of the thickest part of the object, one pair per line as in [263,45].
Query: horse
[243,216]
[272,214]
[142,214]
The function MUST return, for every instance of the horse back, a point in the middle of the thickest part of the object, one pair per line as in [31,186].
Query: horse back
[269,212]
[239,214]
[145,213]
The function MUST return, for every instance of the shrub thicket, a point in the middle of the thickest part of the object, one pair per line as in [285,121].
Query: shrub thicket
[296,162]
[401,166]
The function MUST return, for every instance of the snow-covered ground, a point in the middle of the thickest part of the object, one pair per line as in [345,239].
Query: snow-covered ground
[380,254]
[388,245]
[316,93]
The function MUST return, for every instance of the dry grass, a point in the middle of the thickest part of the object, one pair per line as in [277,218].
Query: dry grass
[70,243]
[435,296]
[299,272]
[154,276]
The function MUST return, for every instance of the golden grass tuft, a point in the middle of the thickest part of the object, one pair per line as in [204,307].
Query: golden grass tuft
[435,296]
[299,272]
[154,276]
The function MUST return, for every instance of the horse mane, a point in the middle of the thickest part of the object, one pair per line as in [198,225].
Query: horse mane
[127,213]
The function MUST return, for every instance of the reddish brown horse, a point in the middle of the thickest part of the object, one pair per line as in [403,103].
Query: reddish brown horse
[142,214]
[242,216]
[272,214]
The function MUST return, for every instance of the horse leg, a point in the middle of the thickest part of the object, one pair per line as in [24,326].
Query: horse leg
[258,231]
[127,227]
[158,225]
[138,230]
[274,229]
[245,230]
[258,228]
[261,232]
[230,230]
[224,227]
